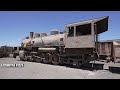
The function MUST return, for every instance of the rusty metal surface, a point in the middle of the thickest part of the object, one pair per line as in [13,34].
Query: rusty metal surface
[49,40]
[43,34]
[37,35]
[102,23]
[80,42]
[5,51]
[105,48]
[117,51]
[109,48]
[25,42]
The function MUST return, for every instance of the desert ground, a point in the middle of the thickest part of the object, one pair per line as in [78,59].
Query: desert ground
[33,70]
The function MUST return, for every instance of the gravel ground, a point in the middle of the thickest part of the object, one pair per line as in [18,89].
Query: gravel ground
[33,70]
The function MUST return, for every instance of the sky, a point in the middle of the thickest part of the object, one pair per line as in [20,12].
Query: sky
[16,25]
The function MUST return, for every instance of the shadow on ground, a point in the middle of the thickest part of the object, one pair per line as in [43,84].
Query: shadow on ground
[88,66]
[114,69]
[91,67]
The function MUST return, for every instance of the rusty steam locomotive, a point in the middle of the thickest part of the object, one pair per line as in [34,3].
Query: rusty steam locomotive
[76,45]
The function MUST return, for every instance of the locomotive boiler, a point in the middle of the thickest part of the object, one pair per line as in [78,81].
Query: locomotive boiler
[76,45]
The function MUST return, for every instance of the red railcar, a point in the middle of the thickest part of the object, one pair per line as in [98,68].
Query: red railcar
[109,50]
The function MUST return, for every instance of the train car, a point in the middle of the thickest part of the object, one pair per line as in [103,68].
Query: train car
[5,51]
[116,51]
[105,50]
[75,46]
[109,50]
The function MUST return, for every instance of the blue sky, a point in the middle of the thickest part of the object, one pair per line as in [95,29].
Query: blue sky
[15,25]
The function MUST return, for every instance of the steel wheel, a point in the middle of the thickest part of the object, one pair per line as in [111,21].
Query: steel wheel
[22,59]
[38,60]
[55,59]
[46,59]
[77,64]
[31,59]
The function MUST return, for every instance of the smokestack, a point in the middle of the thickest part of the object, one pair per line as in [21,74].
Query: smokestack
[31,34]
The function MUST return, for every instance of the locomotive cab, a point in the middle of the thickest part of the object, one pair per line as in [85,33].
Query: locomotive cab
[84,34]
[82,37]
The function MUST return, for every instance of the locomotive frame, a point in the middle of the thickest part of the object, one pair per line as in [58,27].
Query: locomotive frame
[77,46]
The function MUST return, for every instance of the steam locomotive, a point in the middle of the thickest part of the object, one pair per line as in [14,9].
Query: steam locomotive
[76,45]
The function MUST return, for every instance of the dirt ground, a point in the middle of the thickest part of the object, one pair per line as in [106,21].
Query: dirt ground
[33,70]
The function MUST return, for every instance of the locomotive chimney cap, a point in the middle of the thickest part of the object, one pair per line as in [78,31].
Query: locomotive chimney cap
[31,34]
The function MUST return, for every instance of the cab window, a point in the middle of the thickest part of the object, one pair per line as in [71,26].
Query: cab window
[83,29]
[71,31]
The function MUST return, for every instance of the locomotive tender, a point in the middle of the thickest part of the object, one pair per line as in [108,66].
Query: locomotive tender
[76,45]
